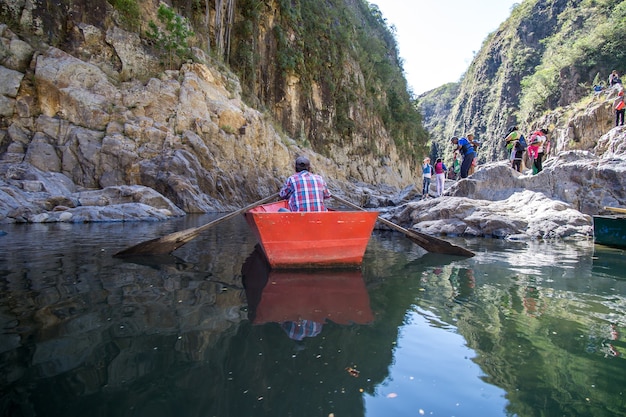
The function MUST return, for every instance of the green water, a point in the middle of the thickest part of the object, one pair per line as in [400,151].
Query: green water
[521,329]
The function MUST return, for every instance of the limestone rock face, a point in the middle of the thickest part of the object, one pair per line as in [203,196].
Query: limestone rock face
[524,215]
[28,194]
[9,84]
[127,48]
[14,52]
[77,91]
[186,135]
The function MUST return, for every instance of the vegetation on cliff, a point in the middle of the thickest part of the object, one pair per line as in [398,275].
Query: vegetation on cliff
[328,73]
[547,55]
[347,49]
[589,44]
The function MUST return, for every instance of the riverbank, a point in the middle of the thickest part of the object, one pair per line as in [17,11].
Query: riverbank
[495,201]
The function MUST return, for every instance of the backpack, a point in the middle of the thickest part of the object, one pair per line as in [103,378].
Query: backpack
[522,142]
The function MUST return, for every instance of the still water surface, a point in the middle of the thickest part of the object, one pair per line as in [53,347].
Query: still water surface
[521,329]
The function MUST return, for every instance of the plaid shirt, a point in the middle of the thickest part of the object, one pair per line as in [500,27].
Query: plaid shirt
[305,191]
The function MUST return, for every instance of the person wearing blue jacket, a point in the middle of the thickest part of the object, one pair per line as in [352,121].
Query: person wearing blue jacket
[427,173]
[466,147]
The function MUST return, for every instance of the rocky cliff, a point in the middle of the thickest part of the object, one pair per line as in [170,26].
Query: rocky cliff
[88,100]
[537,70]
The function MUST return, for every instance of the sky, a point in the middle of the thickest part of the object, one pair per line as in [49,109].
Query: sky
[438,39]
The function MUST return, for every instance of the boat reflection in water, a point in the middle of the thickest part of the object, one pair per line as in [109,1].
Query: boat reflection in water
[608,259]
[302,301]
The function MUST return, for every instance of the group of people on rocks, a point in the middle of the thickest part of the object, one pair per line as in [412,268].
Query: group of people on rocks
[537,146]
[307,192]
[464,161]
[463,164]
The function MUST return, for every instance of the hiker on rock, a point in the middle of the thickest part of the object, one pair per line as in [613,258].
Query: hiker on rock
[440,176]
[466,148]
[538,139]
[427,174]
[619,107]
[614,78]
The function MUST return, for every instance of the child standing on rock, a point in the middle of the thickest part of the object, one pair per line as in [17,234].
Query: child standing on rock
[427,173]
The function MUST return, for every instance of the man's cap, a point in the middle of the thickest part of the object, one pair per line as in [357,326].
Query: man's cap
[302,163]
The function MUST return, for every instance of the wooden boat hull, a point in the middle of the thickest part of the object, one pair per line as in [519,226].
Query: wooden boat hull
[324,239]
[610,231]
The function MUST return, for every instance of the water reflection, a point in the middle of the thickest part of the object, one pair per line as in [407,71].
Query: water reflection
[86,334]
[524,329]
[302,301]
[463,283]
[607,260]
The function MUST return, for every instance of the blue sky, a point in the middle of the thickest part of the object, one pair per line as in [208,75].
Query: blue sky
[438,38]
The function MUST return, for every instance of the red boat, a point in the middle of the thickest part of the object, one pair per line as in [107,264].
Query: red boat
[318,239]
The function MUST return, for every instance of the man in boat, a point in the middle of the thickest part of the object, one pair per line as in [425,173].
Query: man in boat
[305,191]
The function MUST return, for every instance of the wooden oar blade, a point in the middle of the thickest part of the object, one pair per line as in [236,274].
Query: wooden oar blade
[430,243]
[168,244]
[616,209]
[159,246]
[435,245]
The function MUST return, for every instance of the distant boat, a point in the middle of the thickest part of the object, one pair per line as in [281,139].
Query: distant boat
[317,239]
[610,230]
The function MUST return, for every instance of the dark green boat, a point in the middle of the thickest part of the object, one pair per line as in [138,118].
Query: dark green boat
[610,231]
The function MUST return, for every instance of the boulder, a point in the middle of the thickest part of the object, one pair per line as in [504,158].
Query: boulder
[497,201]
[28,194]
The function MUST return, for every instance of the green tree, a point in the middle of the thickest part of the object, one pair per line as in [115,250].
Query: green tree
[172,38]
[129,12]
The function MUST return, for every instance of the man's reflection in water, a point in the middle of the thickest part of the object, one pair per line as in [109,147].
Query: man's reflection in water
[298,330]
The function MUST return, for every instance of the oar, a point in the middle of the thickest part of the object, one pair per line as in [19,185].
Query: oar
[430,243]
[616,209]
[173,241]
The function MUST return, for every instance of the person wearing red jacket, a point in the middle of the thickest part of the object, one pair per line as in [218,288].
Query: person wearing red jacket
[440,176]
[539,139]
